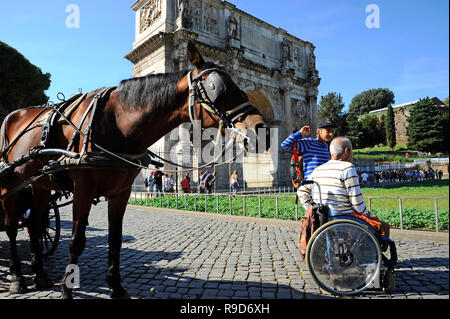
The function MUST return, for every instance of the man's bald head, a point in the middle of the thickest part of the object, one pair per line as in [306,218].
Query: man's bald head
[341,149]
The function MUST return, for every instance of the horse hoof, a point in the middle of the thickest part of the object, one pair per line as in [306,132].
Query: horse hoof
[17,287]
[43,282]
[66,293]
[120,294]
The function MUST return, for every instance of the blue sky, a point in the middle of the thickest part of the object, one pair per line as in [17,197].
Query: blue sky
[408,53]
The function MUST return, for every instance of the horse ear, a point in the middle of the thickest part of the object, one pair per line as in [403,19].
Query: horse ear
[194,56]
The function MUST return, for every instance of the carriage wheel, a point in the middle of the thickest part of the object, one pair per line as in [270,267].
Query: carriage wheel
[51,231]
[343,257]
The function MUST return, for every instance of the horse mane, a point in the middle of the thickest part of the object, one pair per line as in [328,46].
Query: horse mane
[156,89]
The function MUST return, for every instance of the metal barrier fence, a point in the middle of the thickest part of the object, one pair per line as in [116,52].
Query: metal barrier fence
[400,205]
[181,202]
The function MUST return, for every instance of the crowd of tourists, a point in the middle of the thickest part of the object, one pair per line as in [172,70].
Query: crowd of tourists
[398,176]
[158,182]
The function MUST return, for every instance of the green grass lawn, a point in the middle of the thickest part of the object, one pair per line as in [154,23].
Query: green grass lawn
[429,188]
[385,153]
[417,213]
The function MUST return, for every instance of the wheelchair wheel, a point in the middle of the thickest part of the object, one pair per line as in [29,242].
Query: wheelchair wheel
[344,257]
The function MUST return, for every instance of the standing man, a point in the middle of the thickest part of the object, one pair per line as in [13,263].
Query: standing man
[149,182]
[208,181]
[315,150]
[365,178]
[157,177]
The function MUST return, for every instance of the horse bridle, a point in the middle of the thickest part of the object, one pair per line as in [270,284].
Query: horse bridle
[210,90]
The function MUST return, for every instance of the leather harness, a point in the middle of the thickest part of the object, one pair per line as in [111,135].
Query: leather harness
[210,90]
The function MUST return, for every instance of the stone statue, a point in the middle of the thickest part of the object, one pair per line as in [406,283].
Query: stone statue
[312,62]
[298,57]
[285,50]
[232,27]
[183,8]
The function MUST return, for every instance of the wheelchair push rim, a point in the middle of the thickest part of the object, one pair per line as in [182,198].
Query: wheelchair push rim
[344,257]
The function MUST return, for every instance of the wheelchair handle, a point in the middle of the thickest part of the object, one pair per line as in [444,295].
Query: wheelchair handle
[309,182]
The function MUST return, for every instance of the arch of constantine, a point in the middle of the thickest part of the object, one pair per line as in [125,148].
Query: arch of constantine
[276,69]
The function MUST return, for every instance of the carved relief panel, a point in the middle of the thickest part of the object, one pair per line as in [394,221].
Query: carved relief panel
[195,10]
[149,13]
[299,109]
[210,19]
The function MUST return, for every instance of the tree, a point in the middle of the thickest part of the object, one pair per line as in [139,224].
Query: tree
[330,106]
[21,82]
[390,127]
[363,103]
[354,133]
[426,126]
[372,131]
[446,101]
[370,100]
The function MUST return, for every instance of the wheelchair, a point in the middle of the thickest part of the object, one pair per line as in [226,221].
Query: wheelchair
[344,254]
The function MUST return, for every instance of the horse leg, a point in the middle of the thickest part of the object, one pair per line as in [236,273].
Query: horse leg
[81,208]
[39,211]
[116,210]
[17,284]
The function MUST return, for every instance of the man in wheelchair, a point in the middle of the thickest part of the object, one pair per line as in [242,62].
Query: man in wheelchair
[339,188]
[342,254]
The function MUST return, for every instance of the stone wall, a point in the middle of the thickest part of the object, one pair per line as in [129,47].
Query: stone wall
[401,114]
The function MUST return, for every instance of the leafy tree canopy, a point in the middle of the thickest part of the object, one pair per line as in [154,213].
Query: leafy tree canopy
[21,82]
[427,127]
[370,100]
[331,106]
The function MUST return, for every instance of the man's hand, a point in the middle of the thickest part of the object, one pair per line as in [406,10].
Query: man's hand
[305,131]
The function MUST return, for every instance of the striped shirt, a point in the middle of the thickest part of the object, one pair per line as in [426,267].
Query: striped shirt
[339,188]
[315,153]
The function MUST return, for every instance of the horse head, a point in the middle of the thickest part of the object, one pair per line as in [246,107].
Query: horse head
[219,101]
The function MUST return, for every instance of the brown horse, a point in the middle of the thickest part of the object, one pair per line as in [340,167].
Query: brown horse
[137,114]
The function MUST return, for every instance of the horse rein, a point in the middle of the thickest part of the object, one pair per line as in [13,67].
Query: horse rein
[207,97]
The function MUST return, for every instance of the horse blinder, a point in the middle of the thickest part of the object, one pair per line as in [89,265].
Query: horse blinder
[214,86]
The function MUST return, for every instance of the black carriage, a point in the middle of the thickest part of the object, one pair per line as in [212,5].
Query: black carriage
[51,224]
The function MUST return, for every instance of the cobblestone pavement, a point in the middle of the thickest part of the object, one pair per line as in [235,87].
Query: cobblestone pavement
[172,255]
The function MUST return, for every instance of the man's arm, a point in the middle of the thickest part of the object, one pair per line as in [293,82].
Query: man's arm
[304,193]
[351,183]
[288,143]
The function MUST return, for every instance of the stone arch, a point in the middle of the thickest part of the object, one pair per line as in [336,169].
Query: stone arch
[262,103]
